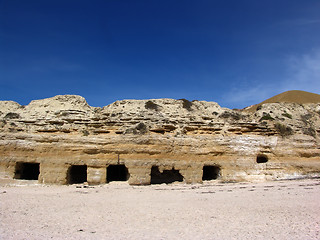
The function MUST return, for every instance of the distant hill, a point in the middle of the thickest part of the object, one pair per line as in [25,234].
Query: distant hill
[293,96]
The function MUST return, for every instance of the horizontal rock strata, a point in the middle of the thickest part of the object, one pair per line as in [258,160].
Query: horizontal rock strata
[63,140]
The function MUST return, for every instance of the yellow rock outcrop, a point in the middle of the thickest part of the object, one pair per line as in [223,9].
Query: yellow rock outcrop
[63,140]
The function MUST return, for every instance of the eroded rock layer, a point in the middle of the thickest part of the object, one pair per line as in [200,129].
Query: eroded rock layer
[63,140]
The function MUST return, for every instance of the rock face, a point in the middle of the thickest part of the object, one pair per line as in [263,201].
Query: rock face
[63,140]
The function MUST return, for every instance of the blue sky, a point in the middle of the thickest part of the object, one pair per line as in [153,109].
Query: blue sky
[236,53]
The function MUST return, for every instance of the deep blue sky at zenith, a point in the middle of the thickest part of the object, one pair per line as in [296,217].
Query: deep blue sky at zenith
[234,52]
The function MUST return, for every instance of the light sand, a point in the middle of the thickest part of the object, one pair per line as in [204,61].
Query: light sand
[272,210]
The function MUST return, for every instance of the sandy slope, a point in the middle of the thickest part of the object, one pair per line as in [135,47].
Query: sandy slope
[273,210]
[293,96]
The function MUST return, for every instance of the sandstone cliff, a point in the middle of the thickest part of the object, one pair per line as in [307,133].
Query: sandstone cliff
[64,140]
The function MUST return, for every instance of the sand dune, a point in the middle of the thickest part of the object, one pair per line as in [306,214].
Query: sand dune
[293,96]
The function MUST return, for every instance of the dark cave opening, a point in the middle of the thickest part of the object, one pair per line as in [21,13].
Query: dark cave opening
[210,173]
[262,159]
[28,171]
[77,174]
[167,176]
[117,173]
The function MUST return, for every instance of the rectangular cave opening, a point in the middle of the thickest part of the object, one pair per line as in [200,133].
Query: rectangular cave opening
[210,173]
[167,176]
[77,174]
[27,171]
[117,172]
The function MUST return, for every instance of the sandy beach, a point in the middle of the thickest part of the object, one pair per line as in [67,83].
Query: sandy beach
[213,210]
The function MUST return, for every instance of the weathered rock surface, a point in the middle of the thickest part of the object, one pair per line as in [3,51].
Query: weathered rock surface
[68,141]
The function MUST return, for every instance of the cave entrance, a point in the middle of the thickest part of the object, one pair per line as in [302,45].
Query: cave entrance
[167,176]
[28,171]
[262,159]
[77,174]
[210,173]
[117,173]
